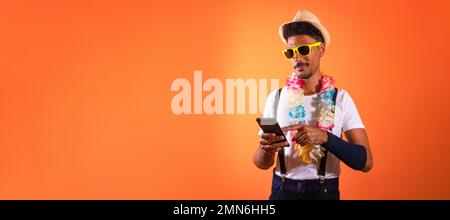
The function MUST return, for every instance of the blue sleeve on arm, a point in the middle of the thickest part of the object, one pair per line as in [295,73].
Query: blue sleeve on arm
[353,155]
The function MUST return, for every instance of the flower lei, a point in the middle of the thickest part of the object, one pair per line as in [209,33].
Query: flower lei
[326,108]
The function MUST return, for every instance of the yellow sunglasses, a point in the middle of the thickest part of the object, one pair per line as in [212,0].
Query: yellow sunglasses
[301,50]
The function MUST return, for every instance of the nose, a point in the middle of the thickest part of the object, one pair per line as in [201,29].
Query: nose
[299,58]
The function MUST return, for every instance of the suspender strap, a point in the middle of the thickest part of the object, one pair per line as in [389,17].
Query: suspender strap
[281,151]
[323,161]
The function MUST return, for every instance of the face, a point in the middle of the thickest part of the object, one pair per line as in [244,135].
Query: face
[307,66]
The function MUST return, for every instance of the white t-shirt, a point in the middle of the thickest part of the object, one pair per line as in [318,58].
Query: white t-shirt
[346,118]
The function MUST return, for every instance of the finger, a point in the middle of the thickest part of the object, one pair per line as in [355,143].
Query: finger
[292,127]
[278,138]
[303,129]
[306,140]
[269,148]
[301,139]
[267,135]
[297,135]
[275,147]
[270,140]
[263,141]
[289,127]
[275,139]
[281,144]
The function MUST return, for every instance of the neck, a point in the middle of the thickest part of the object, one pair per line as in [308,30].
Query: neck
[312,84]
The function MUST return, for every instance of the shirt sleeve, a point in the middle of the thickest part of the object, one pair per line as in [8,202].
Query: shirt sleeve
[352,119]
[268,107]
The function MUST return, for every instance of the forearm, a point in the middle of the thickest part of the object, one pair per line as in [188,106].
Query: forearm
[263,160]
[353,155]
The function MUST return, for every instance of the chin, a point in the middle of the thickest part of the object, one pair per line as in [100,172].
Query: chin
[299,73]
[303,75]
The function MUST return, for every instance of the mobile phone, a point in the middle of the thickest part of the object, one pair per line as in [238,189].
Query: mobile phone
[270,125]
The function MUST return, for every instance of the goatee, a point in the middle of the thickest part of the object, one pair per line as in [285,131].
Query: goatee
[304,76]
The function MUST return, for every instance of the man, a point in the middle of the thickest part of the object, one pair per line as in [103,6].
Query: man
[313,114]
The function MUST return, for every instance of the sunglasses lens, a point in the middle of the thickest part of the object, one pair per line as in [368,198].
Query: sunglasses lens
[303,50]
[289,53]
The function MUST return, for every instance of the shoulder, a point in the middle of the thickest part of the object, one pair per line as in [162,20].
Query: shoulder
[350,115]
[271,96]
[345,101]
[343,96]
[342,92]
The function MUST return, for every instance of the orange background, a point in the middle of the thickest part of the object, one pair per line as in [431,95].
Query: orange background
[85,96]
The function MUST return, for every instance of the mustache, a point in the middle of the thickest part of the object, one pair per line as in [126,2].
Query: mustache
[300,64]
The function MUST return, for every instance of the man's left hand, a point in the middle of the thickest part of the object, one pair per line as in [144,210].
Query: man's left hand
[307,134]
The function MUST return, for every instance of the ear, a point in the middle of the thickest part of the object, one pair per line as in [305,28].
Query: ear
[322,49]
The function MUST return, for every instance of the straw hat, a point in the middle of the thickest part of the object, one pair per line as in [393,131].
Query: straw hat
[306,16]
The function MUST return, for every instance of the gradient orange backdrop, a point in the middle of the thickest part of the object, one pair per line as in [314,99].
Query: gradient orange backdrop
[85,96]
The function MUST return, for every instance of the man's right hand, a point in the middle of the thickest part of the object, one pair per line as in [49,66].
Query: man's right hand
[268,145]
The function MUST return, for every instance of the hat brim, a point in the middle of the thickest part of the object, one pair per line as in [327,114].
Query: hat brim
[320,27]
